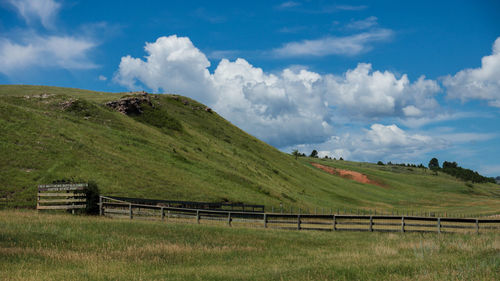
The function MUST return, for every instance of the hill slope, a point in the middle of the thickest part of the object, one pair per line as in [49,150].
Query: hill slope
[176,149]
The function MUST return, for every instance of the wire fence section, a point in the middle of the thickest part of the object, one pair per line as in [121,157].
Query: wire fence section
[327,222]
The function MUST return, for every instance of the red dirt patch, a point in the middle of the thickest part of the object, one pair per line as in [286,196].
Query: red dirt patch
[359,177]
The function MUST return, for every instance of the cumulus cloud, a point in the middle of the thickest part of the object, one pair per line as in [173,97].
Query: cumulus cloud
[52,51]
[37,10]
[362,92]
[281,109]
[173,64]
[379,142]
[347,45]
[289,107]
[481,83]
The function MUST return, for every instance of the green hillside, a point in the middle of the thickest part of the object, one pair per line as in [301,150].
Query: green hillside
[177,149]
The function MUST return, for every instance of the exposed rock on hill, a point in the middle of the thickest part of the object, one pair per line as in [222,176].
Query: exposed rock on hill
[131,105]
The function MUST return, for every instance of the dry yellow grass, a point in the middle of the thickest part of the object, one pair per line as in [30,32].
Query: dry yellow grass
[64,247]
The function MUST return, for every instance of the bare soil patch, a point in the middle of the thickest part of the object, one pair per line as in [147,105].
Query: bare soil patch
[359,177]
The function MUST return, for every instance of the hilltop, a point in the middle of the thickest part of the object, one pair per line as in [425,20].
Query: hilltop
[172,147]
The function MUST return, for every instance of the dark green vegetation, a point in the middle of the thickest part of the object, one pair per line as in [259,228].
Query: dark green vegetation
[452,168]
[65,247]
[176,149]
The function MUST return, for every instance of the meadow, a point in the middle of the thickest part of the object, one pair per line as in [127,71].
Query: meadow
[58,246]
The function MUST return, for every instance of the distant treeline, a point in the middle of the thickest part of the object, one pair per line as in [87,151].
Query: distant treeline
[402,164]
[450,168]
[453,169]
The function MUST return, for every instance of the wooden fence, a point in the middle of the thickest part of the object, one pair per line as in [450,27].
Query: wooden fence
[61,197]
[332,222]
[193,204]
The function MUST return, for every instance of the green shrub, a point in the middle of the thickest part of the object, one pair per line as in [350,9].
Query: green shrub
[92,192]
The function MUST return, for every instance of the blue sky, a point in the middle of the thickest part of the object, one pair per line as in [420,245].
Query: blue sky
[365,80]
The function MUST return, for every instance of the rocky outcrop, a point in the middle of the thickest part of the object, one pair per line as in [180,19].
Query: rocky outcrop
[131,105]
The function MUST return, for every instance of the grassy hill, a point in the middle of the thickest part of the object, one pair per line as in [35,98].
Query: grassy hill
[176,149]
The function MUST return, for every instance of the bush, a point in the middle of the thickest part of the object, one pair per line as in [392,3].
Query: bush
[92,192]
[380,163]
[314,154]
[434,164]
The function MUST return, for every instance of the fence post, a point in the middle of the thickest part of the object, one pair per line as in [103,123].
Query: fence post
[334,223]
[265,220]
[402,224]
[229,219]
[439,225]
[130,210]
[371,223]
[162,214]
[298,222]
[477,226]
[198,216]
[100,205]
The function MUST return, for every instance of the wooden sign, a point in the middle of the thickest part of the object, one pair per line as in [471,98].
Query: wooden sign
[61,196]
[62,187]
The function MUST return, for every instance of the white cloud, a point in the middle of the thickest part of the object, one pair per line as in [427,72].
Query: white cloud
[468,137]
[481,83]
[362,93]
[52,51]
[288,107]
[25,49]
[281,109]
[379,142]
[33,10]
[102,78]
[351,7]
[424,119]
[173,64]
[289,4]
[348,45]
[411,111]
[363,24]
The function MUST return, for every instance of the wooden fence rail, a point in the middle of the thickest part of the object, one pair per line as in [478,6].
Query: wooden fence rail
[331,222]
[192,204]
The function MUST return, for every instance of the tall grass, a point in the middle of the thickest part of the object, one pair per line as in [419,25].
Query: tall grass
[64,247]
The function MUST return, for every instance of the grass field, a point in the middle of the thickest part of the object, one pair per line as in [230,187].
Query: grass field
[179,151]
[64,247]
